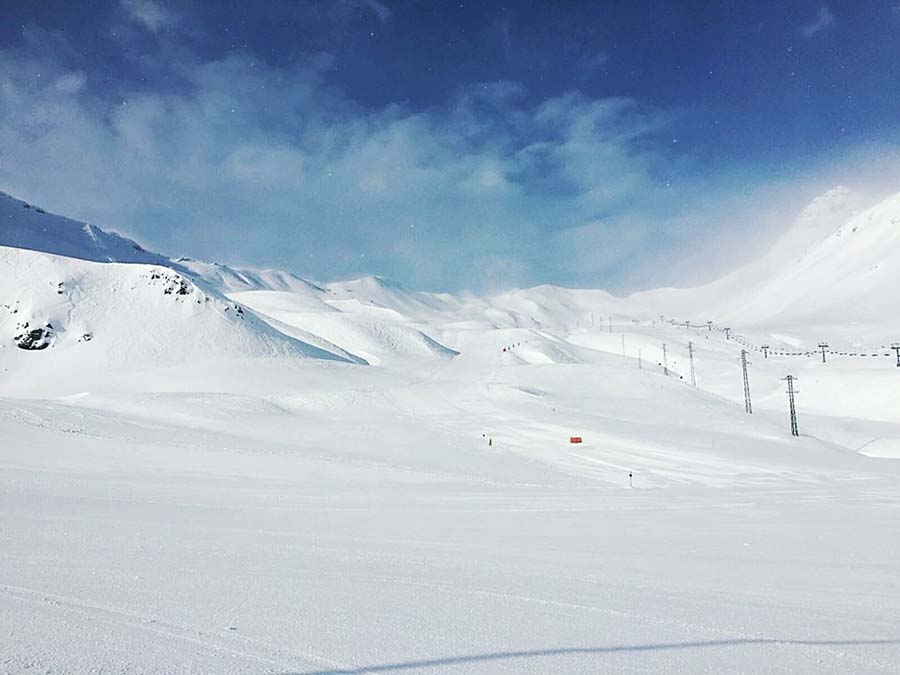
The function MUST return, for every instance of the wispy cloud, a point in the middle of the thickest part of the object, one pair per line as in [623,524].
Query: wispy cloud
[311,181]
[823,20]
[148,14]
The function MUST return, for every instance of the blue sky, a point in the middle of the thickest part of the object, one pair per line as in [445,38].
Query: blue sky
[449,145]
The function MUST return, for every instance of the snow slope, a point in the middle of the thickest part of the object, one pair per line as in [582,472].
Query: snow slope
[295,516]
[374,339]
[833,265]
[108,317]
[234,280]
[23,225]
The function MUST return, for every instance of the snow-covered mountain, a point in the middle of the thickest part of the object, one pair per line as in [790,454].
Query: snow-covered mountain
[834,264]
[64,284]
[844,276]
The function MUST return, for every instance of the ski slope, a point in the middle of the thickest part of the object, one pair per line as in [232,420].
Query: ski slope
[242,471]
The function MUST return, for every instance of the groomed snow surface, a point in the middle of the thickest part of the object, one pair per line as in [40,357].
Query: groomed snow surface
[244,472]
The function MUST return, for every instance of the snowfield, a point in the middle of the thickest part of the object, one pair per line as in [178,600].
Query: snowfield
[246,472]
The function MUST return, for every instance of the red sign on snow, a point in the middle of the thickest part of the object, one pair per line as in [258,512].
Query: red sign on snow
[574,439]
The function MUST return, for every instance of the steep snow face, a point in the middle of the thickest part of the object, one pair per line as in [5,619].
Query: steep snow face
[846,276]
[65,318]
[833,265]
[815,223]
[23,225]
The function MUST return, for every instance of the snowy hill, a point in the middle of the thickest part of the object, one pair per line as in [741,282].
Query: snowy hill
[833,265]
[286,329]
[372,336]
[66,318]
[234,279]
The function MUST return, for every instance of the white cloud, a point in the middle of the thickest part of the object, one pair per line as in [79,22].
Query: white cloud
[823,20]
[147,13]
[272,166]
[71,83]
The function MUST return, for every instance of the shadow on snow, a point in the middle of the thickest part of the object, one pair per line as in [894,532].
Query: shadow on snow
[567,651]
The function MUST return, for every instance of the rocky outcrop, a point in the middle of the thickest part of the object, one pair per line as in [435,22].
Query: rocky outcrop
[33,339]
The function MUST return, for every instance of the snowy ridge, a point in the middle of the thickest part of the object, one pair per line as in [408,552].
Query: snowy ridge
[374,336]
[23,225]
[831,266]
[106,317]
[235,279]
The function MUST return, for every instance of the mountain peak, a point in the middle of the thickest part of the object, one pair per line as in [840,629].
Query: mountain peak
[23,225]
[833,201]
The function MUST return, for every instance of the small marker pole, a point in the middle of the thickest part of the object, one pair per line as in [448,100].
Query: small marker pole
[691,355]
[665,360]
[640,364]
[630,479]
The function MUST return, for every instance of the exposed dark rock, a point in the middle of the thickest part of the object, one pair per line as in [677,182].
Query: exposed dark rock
[34,339]
[175,284]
